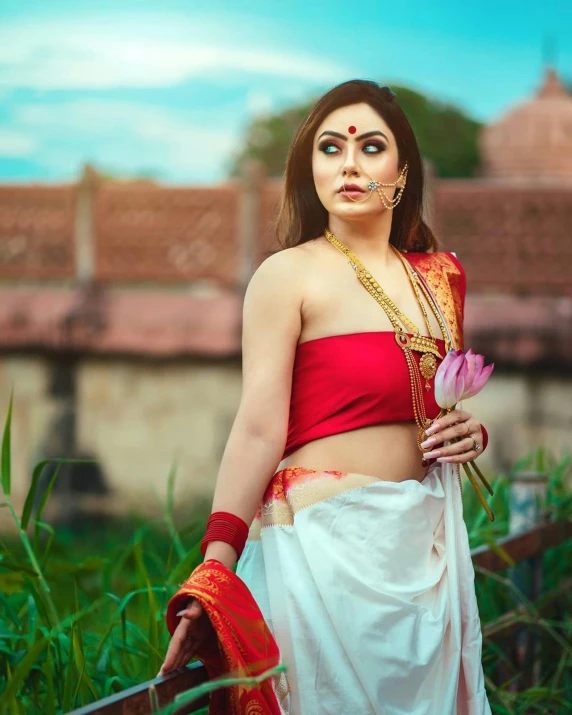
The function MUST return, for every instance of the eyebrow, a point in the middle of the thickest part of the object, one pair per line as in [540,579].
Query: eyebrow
[374,133]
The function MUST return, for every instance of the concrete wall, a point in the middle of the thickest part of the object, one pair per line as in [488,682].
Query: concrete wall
[140,418]
[33,412]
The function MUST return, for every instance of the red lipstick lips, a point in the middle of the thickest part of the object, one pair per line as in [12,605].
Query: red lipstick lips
[351,187]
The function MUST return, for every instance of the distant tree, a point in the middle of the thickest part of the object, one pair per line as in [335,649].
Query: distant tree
[446,136]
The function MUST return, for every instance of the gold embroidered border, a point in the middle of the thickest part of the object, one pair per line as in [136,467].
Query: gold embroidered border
[436,269]
[295,488]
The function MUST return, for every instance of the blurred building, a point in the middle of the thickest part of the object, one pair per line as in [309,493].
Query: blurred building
[120,311]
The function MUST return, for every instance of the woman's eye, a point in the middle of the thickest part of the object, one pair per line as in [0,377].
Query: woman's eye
[377,147]
[325,146]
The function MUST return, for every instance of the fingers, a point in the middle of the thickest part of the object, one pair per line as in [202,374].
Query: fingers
[183,644]
[177,642]
[457,452]
[447,431]
[456,448]
[187,651]
[449,419]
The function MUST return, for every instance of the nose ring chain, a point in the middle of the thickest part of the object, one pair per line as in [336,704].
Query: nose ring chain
[377,186]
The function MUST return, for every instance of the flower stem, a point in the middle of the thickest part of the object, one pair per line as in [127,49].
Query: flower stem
[475,486]
[481,477]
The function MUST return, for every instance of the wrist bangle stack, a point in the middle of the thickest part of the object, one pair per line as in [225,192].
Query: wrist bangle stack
[227,527]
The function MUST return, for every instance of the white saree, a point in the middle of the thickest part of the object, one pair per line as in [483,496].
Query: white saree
[368,588]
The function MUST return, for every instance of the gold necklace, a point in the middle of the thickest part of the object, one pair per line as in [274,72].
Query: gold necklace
[420,343]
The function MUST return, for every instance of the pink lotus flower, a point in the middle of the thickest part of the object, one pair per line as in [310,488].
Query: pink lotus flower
[460,376]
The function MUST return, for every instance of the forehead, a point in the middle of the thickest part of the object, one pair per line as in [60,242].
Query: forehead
[361,116]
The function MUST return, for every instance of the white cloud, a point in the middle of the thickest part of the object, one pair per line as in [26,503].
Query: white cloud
[15,144]
[74,54]
[126,136]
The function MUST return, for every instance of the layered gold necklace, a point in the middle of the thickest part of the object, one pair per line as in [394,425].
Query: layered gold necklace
[407,341]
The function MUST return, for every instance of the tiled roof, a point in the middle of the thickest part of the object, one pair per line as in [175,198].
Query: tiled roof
[531,331]
[120,321]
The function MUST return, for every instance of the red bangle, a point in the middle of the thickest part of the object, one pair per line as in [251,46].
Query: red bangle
[227,527]
[485,437]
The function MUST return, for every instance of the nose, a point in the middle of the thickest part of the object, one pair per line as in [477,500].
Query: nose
[349,167]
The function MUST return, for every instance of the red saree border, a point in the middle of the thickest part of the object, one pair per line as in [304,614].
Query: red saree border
[243,645]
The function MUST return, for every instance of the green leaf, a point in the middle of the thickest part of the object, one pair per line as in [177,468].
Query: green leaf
[71,673]
[33,619]
[31,496]
[49,703]
[42,504]
[23,669]
[6,466]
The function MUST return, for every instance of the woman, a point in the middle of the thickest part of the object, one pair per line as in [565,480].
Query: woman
[357,553]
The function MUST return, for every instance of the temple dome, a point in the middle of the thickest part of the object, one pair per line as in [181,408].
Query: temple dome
[532,141]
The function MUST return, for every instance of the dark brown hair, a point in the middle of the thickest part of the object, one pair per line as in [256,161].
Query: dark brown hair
[302,215]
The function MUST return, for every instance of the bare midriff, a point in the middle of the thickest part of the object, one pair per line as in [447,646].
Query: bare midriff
[387,451]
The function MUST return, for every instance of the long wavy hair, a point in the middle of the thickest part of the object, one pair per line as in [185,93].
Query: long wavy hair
[302,215]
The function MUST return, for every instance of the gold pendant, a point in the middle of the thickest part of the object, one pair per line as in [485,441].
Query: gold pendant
[428,368]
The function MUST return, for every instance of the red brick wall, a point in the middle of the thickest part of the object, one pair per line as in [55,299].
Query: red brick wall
[36,232]
[161,234]
[508,238]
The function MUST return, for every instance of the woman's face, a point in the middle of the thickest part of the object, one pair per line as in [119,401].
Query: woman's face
[355,144]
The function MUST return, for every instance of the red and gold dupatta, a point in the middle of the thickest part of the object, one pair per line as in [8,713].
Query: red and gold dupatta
[244,645]
[445,277]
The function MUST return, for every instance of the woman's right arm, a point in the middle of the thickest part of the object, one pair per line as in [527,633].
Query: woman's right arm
[270,330]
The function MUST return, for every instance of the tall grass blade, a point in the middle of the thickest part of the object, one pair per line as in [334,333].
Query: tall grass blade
[6,463]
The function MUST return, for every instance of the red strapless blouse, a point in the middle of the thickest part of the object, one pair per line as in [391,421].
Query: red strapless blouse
[343,382]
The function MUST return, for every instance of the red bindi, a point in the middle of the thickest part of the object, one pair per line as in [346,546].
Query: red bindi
[352,130]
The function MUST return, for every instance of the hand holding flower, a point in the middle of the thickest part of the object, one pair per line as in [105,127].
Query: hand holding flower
[460,376]
[458,425]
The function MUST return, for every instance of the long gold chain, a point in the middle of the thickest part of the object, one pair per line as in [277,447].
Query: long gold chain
[421,343]
[416,283]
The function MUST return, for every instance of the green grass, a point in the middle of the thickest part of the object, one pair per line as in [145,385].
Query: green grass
[82,613]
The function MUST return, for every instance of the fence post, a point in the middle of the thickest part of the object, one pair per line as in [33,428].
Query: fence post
[527,498]
[84,233]
[252,176]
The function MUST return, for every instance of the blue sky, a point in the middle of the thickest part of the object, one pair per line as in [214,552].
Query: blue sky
[169,87]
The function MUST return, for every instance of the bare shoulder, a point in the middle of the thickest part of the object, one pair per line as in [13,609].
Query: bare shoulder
[286,268]
[288,262]
[274,295]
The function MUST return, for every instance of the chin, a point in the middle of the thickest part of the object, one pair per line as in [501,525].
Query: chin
[355,211]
